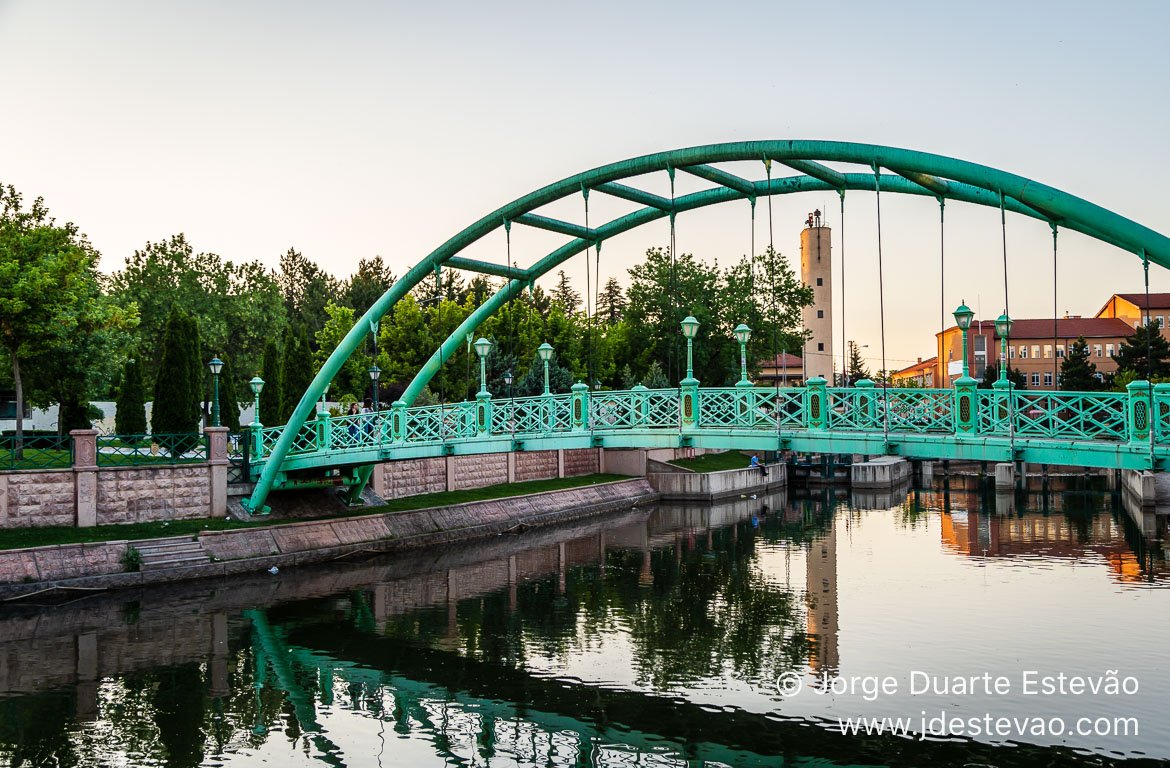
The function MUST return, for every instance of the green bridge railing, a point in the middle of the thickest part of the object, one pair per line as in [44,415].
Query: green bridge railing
[1118,429]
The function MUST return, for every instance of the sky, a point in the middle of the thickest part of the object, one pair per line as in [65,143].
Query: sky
[351,129]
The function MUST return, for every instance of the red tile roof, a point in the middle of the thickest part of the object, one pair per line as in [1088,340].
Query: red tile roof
[782,360]
[1071,328]
[1157,300]
[922,366]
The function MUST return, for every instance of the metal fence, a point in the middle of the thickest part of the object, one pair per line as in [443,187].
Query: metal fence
[36,452]
[141,450]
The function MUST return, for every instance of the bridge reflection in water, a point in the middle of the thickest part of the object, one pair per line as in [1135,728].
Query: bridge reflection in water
[455,656]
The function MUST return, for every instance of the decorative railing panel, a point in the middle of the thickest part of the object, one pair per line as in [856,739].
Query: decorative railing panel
[138,450]
[36,452]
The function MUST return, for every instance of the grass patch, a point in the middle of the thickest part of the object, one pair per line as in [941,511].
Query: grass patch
[714,462]
[22,538]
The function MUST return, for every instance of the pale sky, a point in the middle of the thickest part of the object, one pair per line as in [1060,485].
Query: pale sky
[349,129]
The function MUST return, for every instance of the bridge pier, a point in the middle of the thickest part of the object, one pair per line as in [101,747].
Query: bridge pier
[1005,476]
[880,472]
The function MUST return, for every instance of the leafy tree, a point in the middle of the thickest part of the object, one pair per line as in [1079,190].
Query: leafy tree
[1077,372]
[479,289]
[51,304]
[351,380]
[229,396]
[564,294]
[372,279]
[176,393]
[857,370]
[297,372]
[611,303]
[1146,353]
[306,289]
[272,396]
[130,418]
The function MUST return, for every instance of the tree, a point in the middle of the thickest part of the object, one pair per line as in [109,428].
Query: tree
[50,298]
[564,294]
[351,379]
[857,370]
[297,372]
[1077,372]
[130,418]
[307,289]
[991,375]
[271,397]
[372,279]
[1146,353]
[229,397]
[532,383]
[611,303]
[177,396]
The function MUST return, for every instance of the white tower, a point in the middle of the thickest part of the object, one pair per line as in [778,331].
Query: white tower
[816,244]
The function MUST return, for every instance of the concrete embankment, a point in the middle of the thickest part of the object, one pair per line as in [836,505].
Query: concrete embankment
[101,565]
[681,485]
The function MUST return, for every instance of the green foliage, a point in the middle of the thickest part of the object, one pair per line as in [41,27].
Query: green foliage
[655,378]
[351,381]
[297,372]
[130,418]
[271,397]
[1077,372]
[306,290]
[364,287]
[991,375]
[178,387]
[857,369]
[1146,353]
[611,302]
[532,383]
[131,559]
[564,294]
[230,387]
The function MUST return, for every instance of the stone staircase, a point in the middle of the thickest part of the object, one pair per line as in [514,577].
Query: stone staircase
[173,552]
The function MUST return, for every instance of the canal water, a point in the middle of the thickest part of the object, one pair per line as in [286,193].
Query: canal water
[990,631]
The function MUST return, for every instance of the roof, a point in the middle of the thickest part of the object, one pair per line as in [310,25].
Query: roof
[1157,300]
[782,360]
[921,366]
[1066,328]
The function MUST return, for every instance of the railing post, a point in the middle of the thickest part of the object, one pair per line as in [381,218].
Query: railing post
[868,399]
[398,421]
[257,440]
[580,407]
[641,405]
[816,403]
[1002,410]
[324,431]
[483,414]
[966,406]
[689,404]
[1161,412]
[1137,413]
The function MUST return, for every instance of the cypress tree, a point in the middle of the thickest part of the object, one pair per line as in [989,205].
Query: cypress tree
[198,372]
[271,407]
[175,399]
[297,371]
[1077,372]
[229,397]
[130,418]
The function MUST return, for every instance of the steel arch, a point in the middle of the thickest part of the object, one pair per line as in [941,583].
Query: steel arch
[911,172]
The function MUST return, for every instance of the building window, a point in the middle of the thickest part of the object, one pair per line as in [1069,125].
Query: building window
[1011,353]
[1096,350]
[1035,379]
[1023,352]
[1059,351]
[1035,351]
[820,313]
[1047,351]
[1160,323]
[1108,350]
[1048,379]
[820,346]
[820,281]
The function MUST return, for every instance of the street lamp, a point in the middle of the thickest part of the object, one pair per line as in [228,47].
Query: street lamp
[375,374]
[743,334]
[324,397]
[690,328]
[963,317]
[545,351]
[1003,326]
[482,348]
[257,385]
[511,402]
[216,365]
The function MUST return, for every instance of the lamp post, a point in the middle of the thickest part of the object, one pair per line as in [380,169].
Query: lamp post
[324,398]
[257,386]
[483,398]
[545,351]
[1003,326]
[743,334]
[375,374]
[690,328]
[963,317]
[216,365]
[482,348]
[511,402]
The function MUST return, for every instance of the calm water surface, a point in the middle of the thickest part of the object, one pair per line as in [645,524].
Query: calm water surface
[740,634]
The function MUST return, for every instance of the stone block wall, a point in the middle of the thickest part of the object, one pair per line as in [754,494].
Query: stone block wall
[412,477]
[142,494]
[582,461]
[36,499]
[536,465]
[478,471]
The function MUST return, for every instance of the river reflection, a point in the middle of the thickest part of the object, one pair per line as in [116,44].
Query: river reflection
[653,637]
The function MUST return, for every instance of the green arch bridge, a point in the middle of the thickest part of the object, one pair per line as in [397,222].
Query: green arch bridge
[1114,430]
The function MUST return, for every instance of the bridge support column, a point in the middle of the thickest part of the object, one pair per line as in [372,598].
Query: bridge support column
[689,404]
[1138,411]
[1005,476]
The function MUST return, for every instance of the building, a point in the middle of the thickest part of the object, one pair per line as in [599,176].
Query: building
[921,374]
[783,370]
[1131,307]
[816,272]
[1036,347]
